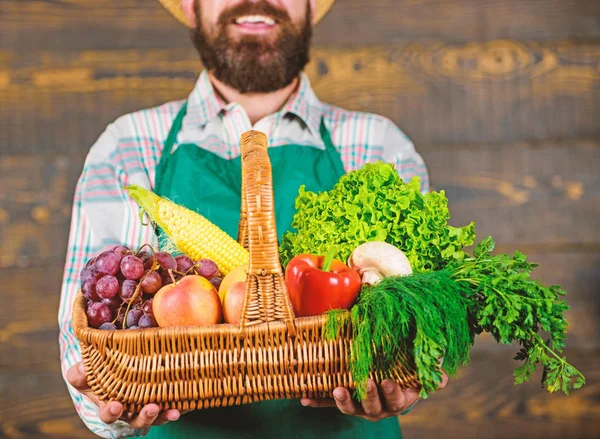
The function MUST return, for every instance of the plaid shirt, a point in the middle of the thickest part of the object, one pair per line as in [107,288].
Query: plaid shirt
[130,148]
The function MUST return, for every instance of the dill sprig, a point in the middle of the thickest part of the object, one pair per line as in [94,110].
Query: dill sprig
[424,315]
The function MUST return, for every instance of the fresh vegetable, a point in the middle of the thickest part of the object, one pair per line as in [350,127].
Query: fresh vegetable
[317,284]
[507,303]
[423,318]
[415,320]
[193,234]
[374,204]
[375,260]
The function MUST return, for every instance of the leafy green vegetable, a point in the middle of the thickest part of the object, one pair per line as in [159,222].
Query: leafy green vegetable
[436,312]
[424,315]
[418,319]
[374,204]
[512,307]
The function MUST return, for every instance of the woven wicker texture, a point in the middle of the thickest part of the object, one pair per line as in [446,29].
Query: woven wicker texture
[270,355]
[174,7]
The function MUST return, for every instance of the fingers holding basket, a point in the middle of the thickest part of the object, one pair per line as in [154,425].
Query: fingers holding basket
[76,377]
[108,413]
[147,417]
[150,416]
[387,401]
[345,403]
[168,416]
[113,411]
[444,382]
[373,405]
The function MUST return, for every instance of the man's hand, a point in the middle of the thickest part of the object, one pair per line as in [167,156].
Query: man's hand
[113,411]
[391,400]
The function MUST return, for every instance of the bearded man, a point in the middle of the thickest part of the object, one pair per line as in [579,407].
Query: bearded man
[254,53]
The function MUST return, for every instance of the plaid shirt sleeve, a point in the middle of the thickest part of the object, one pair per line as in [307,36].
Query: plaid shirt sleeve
[102,216]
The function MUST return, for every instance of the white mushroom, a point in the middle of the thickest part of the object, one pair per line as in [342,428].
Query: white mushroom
[370,277]
[376,259]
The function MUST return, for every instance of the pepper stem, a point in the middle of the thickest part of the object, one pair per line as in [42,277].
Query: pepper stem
[329,259]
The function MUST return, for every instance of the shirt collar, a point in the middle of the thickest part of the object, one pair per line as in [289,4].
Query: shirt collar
[204,104]
[305,105]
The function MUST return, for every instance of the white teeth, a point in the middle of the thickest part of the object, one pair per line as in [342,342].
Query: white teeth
[255,19]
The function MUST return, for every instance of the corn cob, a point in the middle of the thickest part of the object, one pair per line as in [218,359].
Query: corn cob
[193,234]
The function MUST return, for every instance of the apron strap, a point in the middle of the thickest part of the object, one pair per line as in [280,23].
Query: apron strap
[332,152]
[172,137]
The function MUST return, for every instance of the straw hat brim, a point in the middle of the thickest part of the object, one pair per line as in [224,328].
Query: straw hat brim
[174,7]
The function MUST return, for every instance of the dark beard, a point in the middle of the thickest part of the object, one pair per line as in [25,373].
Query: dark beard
[252,64]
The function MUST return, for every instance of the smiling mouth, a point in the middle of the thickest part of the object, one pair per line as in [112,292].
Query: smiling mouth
[256,24]
[255,20]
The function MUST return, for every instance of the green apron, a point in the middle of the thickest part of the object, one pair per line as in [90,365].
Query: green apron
[211,185]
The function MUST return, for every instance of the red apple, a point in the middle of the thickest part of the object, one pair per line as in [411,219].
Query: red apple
[192,301]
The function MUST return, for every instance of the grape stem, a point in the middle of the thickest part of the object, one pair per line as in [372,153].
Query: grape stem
[172,277]
[114,322]
[135,294]
[192,268]
[139,250]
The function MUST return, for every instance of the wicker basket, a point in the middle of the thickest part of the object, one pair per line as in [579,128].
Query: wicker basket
[270,355]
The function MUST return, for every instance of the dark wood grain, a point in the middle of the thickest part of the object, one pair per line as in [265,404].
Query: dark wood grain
[36,405]
[35,207]
[28,319]
[105,24]
[499,91]
[522,193]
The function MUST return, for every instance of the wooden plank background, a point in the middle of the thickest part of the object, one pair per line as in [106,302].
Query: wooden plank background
[502,98]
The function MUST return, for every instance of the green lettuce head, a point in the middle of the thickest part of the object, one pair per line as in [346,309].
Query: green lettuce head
[374,204]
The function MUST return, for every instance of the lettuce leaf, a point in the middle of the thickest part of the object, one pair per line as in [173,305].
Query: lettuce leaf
[374,204]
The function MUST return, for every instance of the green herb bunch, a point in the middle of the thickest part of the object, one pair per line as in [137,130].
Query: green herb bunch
[374,204]
[424,316]
[507,303]
[420,319]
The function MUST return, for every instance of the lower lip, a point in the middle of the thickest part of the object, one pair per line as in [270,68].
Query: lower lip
[254,28]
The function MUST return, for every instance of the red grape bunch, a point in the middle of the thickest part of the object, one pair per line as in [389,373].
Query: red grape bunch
[119,284]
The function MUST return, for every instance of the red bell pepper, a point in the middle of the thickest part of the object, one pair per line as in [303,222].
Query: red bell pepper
[317,284]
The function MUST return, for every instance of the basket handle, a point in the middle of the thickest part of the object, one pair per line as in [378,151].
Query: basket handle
[266,297]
